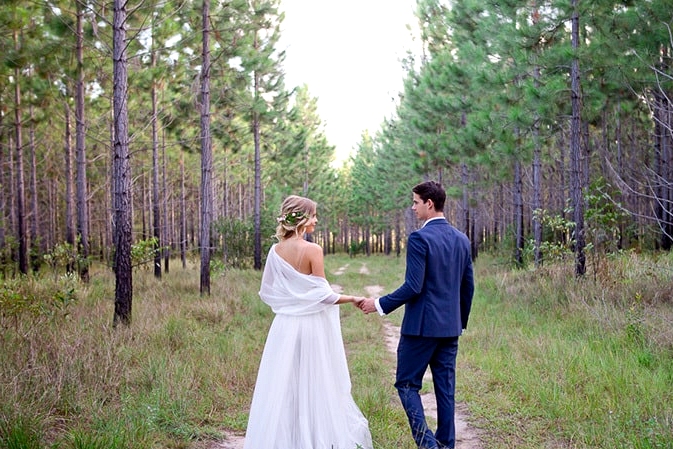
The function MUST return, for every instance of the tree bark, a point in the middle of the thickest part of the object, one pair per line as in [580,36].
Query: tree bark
[206,155]
[537,163]
[518,214]
[156,206]
[35,235]
[69,214]
[575,148]
[20,187]
[80,153]
[183,214]
[169,238]
[121,172]
[257,219]
[465,203]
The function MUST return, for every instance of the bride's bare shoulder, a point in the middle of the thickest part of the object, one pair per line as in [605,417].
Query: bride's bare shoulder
[314,247]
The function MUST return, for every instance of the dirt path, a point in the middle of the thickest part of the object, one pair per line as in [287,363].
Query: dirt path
[231,442]
[466,436]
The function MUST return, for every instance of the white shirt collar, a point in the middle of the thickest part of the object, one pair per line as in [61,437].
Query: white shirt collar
[433,218]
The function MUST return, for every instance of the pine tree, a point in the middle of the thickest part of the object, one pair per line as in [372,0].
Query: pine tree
[121,171]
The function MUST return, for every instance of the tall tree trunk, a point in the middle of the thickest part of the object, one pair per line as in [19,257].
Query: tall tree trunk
[36,240]
[576,147]
[206,155]
[398,233]
[109,225]
[80,151]
[167,241]
[12,189]
[52,227]
[156,209]
[69,214]
[518,214]
[499,223]
[20,187]
[183,214]
[225,207]
[143,192]
[388,240]
[368,239]
[561,170]
[258,178]
[537,194]
[620,170]
[465,203]
[121,171]
[537,163]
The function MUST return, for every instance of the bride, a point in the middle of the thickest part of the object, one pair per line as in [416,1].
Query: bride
[302,398]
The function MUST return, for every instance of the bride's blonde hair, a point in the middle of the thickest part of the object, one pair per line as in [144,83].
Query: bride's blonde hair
[295,213]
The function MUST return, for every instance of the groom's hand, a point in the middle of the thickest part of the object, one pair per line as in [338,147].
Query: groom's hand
[367,306]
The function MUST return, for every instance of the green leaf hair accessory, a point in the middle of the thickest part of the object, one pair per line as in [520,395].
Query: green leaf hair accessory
[292,218]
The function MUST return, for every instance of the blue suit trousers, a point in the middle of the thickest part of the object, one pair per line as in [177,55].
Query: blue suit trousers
[414,355]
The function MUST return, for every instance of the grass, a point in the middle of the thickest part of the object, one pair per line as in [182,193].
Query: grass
[551,361]
[547,362]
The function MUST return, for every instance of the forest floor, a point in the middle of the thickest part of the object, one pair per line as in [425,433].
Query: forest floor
[467,437]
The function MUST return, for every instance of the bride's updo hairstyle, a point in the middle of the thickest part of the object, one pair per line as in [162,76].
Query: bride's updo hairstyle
[295,213]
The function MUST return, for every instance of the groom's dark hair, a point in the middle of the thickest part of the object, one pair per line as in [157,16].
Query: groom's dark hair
[431,190]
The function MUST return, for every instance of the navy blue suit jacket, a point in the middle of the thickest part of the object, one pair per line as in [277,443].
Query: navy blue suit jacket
[438,283]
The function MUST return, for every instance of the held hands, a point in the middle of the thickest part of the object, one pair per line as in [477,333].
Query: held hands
[367,305]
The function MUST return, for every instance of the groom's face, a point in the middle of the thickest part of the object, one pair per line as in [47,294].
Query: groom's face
[422,209]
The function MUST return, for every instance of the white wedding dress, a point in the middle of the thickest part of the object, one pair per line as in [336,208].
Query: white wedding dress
[302,398]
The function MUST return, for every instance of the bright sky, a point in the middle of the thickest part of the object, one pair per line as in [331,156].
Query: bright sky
[349,54]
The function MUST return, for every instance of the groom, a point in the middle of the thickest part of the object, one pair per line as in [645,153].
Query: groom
[437,294]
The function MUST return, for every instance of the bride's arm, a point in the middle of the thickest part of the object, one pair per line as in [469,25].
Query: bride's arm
[317,260]
[343,299]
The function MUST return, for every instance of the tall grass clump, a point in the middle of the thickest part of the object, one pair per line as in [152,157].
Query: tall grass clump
[550,360]
[17,432]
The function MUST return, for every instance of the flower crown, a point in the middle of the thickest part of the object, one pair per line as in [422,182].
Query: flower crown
[292,218]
